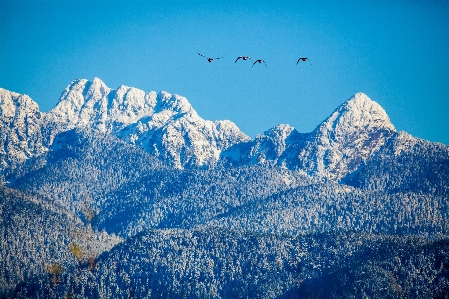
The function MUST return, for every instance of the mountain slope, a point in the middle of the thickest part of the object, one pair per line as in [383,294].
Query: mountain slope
[36,235]
[182,199]
[217,263]
[327,207]
[405,164]
[20,136]
[81,167]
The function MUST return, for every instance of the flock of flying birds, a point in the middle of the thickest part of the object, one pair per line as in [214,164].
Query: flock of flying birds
[254,62]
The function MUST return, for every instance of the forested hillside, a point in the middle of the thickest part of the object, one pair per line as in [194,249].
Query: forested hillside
[332,207]
[81,168]
[217,263]
[40,239]
[406,164]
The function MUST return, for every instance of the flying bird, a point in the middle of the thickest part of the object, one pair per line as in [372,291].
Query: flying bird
[244,58]
[208,58]
[302,59]
[259,61]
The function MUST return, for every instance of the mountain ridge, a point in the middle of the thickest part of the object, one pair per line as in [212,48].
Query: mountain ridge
[166,126]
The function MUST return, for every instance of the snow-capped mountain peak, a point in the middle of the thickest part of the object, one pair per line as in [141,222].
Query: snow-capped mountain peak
[358,112]
[20,135]
[167,126]
[351,134]
[163,124]
[176,133]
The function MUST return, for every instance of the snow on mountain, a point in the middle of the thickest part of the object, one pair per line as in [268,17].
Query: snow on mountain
[93,104]
[20,136]
[167,126]
[163,124]
[277,145]
[351,134]
[176,133]
[348,137]
[406,163]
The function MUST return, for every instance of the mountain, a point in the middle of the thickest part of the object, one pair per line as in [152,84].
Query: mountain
[163,124]
[166,126]
[347,138]
[20,123]
[353,209]
[185,199]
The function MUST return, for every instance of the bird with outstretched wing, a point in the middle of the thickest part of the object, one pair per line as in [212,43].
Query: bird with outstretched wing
[259,61]
[244,58]
[208,58]
[303,59]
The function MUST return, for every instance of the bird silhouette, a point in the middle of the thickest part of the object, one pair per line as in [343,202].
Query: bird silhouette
[208,58]
[244,58]
[259,61]
[302,59]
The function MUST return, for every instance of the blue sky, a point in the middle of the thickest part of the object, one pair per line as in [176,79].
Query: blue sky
[397,52]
